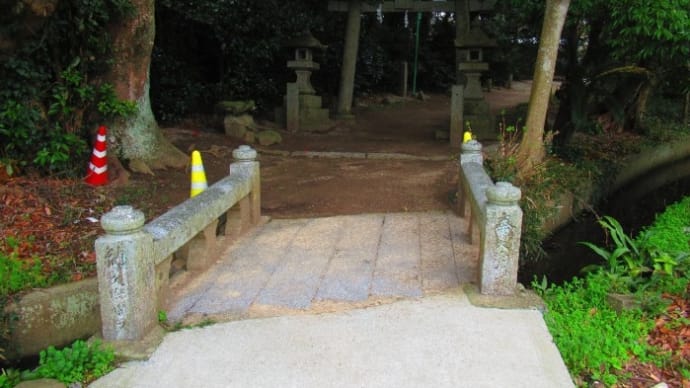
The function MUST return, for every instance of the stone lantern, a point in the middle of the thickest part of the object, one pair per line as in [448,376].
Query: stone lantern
[470,48]
[302,107]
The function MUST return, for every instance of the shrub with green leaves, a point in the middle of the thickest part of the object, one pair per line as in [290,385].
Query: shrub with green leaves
[82,362]
[79,362]
[670,231]
[50,93]
[594,340]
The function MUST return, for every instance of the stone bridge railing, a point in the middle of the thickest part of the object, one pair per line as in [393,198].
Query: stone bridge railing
[494,209]
[134,259]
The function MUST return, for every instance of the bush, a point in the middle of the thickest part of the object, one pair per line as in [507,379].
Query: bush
[48,88]
[82,362]
[594,340]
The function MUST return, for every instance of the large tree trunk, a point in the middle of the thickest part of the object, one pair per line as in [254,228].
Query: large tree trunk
[138,138]
[531,151]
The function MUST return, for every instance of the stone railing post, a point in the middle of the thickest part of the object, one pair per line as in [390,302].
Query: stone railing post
[500,240]
[246,165]
[471,152]
[126,276]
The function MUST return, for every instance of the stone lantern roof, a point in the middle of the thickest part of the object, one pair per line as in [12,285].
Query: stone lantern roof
[475,38]
[305,40]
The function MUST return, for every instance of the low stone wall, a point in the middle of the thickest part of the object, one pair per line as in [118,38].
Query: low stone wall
[134,260]
[54,316]
[494,209]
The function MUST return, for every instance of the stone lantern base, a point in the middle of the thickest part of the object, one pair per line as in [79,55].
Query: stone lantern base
[311,116]
[475,107]
[480,118]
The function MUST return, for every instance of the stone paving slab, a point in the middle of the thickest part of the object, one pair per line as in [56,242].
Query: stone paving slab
[351,268]
[296,280]
[441,341]
[398,262]
[438,267]
[291,264]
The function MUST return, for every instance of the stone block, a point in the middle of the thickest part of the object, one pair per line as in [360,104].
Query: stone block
[236,108]
[237,126]
[41,383]
[314,116]
[309,101]
[293,105]
[456,115]
[54,316]
[267,138]
[622,302]
[482,127]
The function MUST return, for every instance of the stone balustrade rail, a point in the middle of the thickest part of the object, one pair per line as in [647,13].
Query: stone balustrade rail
[494,210]
[134,260]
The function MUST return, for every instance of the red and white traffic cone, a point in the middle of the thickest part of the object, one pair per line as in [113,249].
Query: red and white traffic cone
[97,174]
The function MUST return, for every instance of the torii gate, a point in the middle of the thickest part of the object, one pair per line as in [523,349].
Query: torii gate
[355,8]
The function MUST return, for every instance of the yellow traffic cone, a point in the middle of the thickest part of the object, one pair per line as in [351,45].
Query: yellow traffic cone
[198,175]
[467,136]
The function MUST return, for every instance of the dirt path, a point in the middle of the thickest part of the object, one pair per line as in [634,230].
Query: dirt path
[304,187]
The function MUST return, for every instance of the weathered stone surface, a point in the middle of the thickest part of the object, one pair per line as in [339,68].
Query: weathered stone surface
[500,243]
[41,383]
[622,302]
[398,262]
[237,126]
[54,316]
[126,275]
[457,120]
[267,138]
[127,257]
[236,107]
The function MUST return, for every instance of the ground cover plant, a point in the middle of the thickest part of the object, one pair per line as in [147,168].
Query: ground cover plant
[640,346]
[81,362]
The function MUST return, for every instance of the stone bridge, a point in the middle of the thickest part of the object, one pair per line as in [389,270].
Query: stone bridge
[186,263]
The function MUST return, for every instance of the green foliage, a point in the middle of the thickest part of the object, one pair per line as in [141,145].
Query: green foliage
[10,378]
[206,51]
[647,30]
[670,231]
[162,317]
[639,265]
[594,340]
[48,84]
[540,191]
[82,362]
[17,274]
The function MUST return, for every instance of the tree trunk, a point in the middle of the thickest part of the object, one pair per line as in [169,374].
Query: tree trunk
[138,138]
[531,150]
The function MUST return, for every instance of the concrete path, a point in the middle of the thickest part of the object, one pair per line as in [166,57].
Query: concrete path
[307,263]
[279,287]
[438,341]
